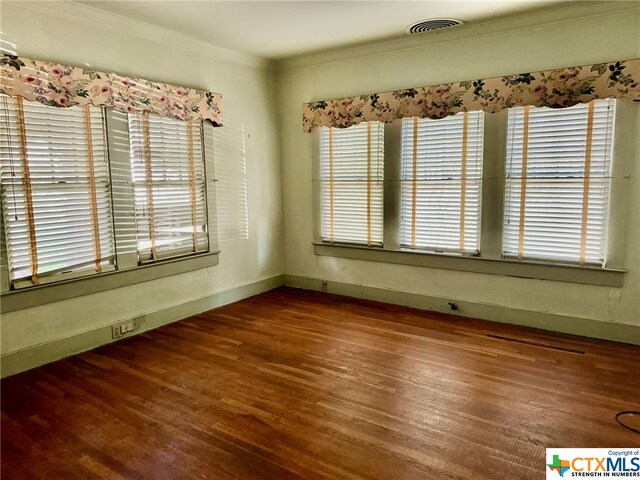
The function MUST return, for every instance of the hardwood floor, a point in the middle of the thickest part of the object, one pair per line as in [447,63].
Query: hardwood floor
[295,384]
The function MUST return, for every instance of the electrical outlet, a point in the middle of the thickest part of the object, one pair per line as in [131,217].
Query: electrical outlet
[123,328]
[115,331]
[324,285]
[126,327]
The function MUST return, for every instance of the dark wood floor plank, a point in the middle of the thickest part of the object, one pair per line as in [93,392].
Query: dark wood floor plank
[302,385]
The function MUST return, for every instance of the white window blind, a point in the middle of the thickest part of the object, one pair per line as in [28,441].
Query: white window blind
[230,161]
[352,171]
[168,175]
[56,199]
[557,185]
[441,176]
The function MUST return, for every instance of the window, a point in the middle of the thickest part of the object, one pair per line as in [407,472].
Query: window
[56,197]
[168,175]
[351,172]
[441,173]
[557,185]
[87,190]
[440,197]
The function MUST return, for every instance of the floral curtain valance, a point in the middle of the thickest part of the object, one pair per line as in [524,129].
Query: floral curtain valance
[563,87]
[64,86]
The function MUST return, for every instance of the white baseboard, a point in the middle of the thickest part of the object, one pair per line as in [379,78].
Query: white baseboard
[585,327]
[28,358]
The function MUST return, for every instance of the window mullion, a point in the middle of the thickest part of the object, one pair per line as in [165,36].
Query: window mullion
[492,192]
[316,180]
[622,171]
[391,191]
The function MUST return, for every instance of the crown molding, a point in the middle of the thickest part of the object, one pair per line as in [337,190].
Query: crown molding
[551,15]
[88,15]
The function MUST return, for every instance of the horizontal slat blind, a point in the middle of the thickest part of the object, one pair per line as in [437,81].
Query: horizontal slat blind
[230,161]
[56,194]
[352,171]
[557,186]
[122,189]
[441,176]
[168,175]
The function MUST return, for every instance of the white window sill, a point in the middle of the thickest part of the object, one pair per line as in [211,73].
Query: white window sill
[76,287]
[495,266]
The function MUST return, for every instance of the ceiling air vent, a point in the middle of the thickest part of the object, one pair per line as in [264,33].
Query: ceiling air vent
[432,24]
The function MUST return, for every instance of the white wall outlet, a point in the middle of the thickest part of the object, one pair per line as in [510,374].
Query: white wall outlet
[123,328]
[126,327]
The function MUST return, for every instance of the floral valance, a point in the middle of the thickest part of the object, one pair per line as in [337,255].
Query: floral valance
[563,87]
[64,86]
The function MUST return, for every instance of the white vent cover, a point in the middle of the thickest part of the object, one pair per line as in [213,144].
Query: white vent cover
[432,24]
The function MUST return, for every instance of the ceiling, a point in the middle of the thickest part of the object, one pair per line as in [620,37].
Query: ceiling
[279,29]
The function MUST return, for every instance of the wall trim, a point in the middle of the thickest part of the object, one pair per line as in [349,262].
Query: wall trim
[590,275]
[89,15]
[586,327]
[76,287]
[37,355]
[41,354]
[544,16]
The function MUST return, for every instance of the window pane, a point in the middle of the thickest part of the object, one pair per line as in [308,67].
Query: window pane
[441,180]
[55,189]
[168,173]
[557,185]
[352,173]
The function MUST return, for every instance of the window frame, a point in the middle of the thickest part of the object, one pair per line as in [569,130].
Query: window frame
[490,259]
[129,269]
[568,178]
[422,129]
[136,118]
[323,181]
[49,183]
